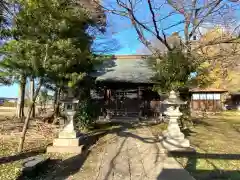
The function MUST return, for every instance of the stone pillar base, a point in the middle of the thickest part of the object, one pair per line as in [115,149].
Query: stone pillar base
[177,143]
[65,149]
[67,134]
[67,142]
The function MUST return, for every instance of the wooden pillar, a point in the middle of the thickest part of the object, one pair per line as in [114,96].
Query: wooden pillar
[206,103]
[191,103]
[116,101]
[105,94]
[138,93]
[213,103]
[139,101]
[109,94]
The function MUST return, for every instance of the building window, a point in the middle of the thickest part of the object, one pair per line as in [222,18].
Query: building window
[195,96]
[210,96]
[203,96]
[217,96]
[206,96]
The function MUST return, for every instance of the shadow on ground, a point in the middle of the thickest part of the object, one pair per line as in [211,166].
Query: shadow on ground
[17,157]
[192,158]
[62,169]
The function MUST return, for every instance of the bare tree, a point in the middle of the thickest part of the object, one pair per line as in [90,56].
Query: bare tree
[159,17]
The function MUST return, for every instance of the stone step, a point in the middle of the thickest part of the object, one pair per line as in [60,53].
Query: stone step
[65,149]
[66,142]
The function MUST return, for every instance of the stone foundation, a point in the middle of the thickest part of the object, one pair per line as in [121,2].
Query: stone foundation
[173,139]
[65,149]
[173,144]
[67,142]
[67,135]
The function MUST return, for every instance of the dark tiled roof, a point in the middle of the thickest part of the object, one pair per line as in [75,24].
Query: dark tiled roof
[207,90]
[125,68]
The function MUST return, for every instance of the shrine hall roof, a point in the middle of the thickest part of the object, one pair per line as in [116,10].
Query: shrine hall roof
[208,90]
[125,68]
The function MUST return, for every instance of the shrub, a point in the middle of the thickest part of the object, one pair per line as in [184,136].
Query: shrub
[87,112]
[185,120]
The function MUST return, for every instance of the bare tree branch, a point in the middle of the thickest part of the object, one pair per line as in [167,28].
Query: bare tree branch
[191,16]
[163,40]
[210,11]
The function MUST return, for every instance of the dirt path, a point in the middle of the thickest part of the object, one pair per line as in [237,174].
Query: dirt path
[121,154]
[130,155]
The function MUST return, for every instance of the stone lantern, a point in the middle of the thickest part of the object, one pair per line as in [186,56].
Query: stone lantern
[173,139]
[70,105]
[68,140]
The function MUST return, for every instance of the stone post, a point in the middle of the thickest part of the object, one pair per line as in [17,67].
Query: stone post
[69,130]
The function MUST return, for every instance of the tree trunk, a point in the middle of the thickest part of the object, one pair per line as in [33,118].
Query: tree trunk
[18,114]
[21,98]
[26,122]
[57,103]
[32,89]
[55,99]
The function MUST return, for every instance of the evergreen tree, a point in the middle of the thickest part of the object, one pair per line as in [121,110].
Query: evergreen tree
[173,70]
[52,43]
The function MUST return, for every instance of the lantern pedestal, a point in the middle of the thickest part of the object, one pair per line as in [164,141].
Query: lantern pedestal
[69,130]
[68,140]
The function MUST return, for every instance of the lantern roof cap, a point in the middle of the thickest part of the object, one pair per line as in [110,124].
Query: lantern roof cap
[173,99]
[70,100]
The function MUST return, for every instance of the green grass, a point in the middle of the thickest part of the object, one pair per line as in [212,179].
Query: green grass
[216,140]
[102,126]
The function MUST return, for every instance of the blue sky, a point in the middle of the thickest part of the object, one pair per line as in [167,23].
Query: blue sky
[9,91]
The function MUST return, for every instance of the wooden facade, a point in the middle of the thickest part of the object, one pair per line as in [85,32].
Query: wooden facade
[129,100]
[209,100]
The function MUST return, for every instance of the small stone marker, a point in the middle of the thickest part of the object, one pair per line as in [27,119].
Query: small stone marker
[31,165]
